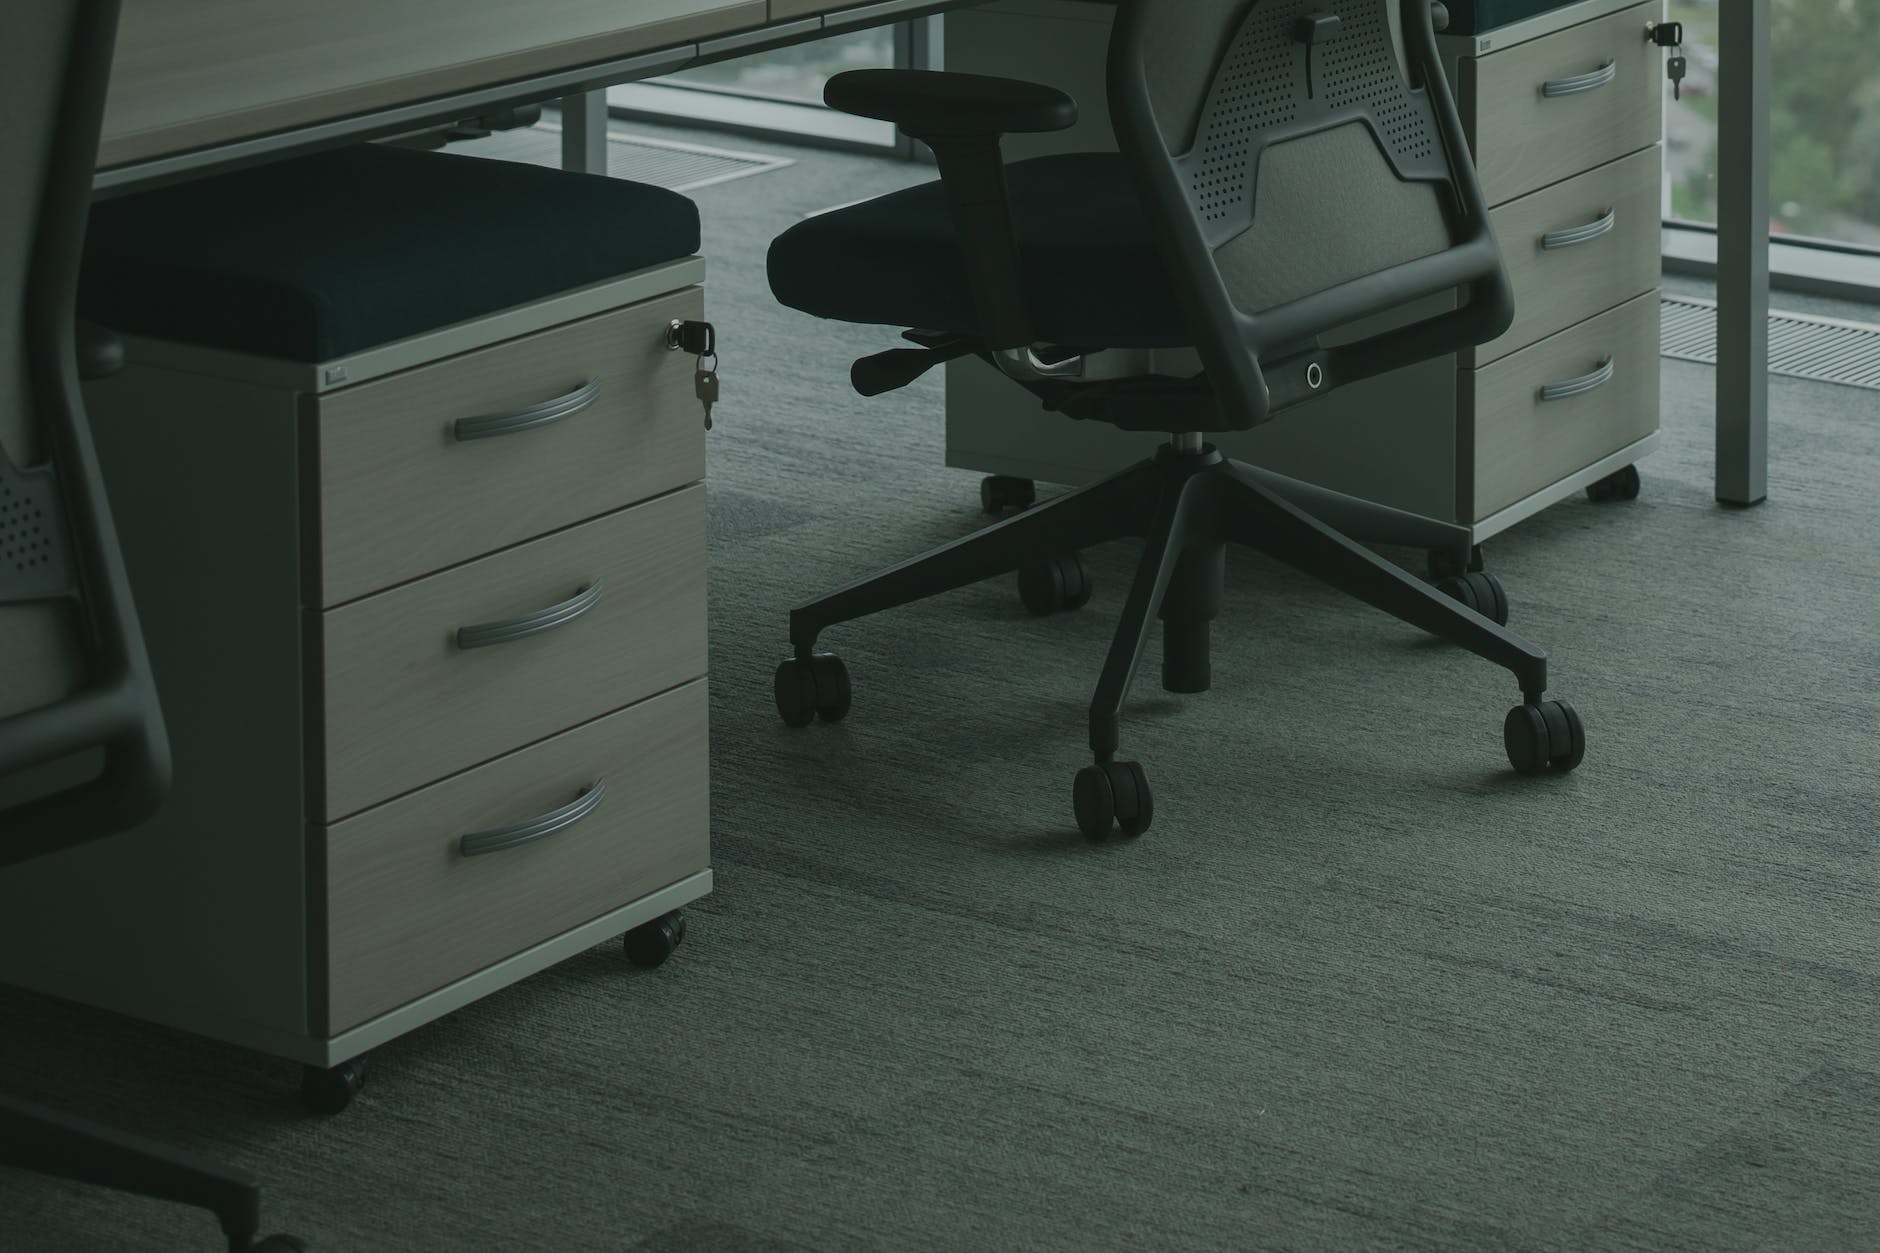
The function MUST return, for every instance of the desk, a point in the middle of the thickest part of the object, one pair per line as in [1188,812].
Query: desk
[178,110]
[207,84]
[1741,382]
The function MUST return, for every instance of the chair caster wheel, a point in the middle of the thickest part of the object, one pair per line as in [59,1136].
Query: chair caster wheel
[1112,792]
[1442,563]
[1051,584]
[1480,591]
[1543,737]
[1621,484]
[280,1242]
[651,943]
[808,690]
[1000,492]
[328,1090]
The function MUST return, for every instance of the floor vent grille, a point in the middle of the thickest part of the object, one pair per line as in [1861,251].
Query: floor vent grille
[676,167]
[1800,345]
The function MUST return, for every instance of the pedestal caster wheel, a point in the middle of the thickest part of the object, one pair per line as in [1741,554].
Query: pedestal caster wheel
[651,943]
[1112,792]
[1053,584]
[810,689]
[328,1090]
[1442,563]
[1543,737]
[280,1243]
[1480,591]
[1000,492]
[1621,484]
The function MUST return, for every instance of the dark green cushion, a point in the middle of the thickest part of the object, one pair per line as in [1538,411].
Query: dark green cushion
[1091,274]
[320,256]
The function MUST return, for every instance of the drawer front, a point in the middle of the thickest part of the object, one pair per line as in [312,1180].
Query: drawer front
[401,495]
[1523,439]
[1577,248]
[1606,78]
[602,614]
[408,911]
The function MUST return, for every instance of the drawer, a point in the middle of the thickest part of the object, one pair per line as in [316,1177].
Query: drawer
[407,910]
[1606,77]
[1577,248]
[400,495]
[1521,439]
[401,699]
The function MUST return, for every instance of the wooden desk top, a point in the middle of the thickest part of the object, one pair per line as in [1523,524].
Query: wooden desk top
[197,74]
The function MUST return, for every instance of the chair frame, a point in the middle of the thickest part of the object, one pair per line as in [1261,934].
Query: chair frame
[118,707]
[1188,501]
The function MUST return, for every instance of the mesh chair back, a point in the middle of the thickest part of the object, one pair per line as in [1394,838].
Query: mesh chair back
[82,745]
[1303,167]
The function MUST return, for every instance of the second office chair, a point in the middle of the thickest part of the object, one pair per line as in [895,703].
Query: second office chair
[1286,168]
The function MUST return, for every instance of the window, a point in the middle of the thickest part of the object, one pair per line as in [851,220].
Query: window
[795,73]
[776,92]
[1824,124]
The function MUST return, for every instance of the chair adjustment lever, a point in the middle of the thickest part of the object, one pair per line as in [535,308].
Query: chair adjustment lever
[897,367]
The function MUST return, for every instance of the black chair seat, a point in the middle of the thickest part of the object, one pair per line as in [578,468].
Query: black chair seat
[319,256]
[1092,276]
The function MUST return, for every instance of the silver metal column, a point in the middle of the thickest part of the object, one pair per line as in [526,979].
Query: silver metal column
[1743,252]
[584,132]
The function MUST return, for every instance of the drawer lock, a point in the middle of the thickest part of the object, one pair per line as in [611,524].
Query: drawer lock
[701,340]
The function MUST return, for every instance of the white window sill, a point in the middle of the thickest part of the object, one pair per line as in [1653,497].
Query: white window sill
[755,116]
[1792,267]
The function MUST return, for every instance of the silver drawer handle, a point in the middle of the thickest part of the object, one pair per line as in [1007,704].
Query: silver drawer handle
[524,419]
[1571,235]
[554,820]
[487,633]
[1581,82]
[1574,387]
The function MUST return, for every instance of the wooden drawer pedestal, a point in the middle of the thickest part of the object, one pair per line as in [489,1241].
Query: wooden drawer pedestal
[437,704]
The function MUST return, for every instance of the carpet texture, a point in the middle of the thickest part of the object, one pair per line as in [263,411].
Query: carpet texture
[1358,987]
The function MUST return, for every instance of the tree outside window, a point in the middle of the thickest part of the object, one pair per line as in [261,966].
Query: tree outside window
[1824,124]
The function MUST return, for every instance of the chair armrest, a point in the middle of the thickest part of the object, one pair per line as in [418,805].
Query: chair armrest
[962,117]
[925,103]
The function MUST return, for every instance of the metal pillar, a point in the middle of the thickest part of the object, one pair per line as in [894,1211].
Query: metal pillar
[584,132]
[1743,252]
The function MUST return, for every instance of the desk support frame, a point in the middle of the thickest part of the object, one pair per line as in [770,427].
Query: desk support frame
[584,132]
[1742,379]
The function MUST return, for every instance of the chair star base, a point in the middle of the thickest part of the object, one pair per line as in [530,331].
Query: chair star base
[1186,504]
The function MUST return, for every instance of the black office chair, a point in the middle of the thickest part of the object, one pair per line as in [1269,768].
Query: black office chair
[83,752]
[1287,167]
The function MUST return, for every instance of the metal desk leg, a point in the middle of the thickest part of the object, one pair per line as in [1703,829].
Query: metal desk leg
[1743,252]
[584,132]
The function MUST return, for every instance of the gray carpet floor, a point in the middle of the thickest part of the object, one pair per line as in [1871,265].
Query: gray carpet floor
[1359,987]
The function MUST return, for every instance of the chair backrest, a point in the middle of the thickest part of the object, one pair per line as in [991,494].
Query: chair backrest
[1303,167]
[82,746]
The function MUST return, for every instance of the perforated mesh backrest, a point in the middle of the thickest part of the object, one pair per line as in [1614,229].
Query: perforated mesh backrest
[1298,162]
[38,657]
[83,750]
[32,72]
